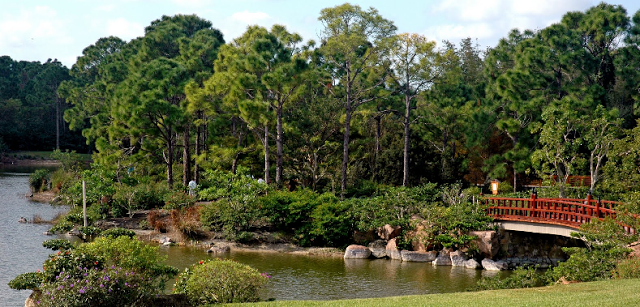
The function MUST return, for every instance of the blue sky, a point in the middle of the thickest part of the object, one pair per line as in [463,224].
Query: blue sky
[33,30]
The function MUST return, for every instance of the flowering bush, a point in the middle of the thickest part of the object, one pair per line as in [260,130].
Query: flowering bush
[220,281]
[111,271]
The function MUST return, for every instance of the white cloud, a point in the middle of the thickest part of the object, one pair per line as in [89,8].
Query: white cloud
[124,29]
[236,24]
[471,10]
[490,20]
[456,32]
[31,31]
[250,18]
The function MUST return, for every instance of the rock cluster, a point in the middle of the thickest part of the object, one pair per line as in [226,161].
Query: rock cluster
[489,244]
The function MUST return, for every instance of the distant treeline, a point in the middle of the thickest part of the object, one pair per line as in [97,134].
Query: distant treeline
[30,109]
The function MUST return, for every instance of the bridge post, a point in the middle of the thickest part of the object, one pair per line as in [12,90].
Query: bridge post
[534,203]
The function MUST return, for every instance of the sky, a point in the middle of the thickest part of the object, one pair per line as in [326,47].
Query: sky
[32,30]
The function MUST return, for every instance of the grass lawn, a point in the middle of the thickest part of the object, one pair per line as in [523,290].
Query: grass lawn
[621,292]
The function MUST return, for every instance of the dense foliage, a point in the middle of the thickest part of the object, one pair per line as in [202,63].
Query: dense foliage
[220,281]
[111,271]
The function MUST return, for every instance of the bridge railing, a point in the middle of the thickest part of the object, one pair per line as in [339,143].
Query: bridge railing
[557,211]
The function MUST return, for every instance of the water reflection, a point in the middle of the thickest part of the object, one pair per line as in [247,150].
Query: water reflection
[301,277]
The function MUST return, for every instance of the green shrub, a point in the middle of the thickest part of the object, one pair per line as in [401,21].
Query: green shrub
[220,281]
[89,231]
[449,225]
[110,271]
[588,265]
[26,281]
[239,187]
[39,179]
[118,232]
[178,200]
[69,159]
[110,286]
[58,244]
[522,277]
[291,210]
[228,217]
[67,263]
[99,184]
[143,196]
[332,225]
[628,268]
[61,226]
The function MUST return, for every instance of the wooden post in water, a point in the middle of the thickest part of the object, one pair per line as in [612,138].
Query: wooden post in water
[84,202]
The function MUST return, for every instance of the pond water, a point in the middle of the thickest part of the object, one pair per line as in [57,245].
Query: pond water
[21,248]
[294,277]
[302,277]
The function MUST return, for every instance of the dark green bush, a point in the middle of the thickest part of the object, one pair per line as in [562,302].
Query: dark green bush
[39,179]
[332,225]
[628,268]
[220,281]
[522,277]
[128,199]
[89,231]
[118,232]
[26,281]
[178,200]
[588,265]
[291,210]
[58,244]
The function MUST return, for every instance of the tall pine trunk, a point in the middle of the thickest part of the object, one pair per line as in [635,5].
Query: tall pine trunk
[186,159]
[405,150]
[267,165]
[279,135]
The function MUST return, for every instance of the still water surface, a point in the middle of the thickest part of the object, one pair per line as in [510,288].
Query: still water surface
[301,277]
[21,248]
[294,277]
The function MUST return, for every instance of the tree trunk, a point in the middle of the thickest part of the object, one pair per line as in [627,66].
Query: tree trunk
[196,167]
[57,122]
[169,160]
[405,151]
[279,135]
[376,155]
[345,149]
[186,159]
[266,154]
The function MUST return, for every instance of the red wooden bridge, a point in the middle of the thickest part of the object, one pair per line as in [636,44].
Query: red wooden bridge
[554,211]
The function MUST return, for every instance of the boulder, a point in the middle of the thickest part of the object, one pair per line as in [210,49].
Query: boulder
[388,232]
[487,242]
[491,265]
[417,256]
[364,236]
[392,250]
[472,264]
[635,247]
[458,258]
[31,301]
[378,244]
[443,258]
[378,249]
[355,251]
[379,253]
[219,249]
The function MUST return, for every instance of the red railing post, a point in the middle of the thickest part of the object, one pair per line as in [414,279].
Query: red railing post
[533,203]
